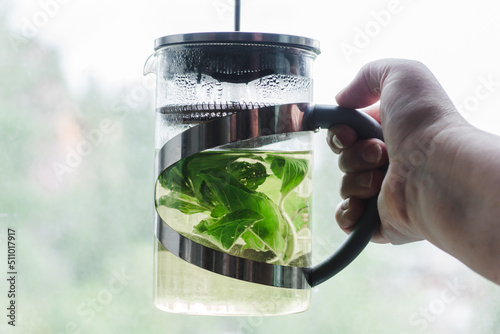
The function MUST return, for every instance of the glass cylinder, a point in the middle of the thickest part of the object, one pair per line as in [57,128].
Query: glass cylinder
[230,191]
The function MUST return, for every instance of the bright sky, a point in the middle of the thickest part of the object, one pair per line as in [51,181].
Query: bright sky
[457,39]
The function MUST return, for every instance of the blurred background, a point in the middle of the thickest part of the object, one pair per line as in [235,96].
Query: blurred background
[77,156]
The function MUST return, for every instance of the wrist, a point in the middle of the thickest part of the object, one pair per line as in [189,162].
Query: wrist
[419,173]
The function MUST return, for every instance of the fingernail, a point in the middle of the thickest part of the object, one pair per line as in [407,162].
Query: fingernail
[365,180]
[345,205]
[372,154]
[336,142]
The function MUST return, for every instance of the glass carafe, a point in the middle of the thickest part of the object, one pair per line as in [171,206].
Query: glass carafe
[233,173]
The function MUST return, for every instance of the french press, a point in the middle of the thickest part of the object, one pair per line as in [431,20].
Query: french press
[234,127]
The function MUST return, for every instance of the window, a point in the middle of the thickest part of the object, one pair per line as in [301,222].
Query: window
[77,146]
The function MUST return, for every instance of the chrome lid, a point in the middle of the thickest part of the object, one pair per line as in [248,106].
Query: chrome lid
[240,37]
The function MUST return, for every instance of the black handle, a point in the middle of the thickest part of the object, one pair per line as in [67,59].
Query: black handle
[324,116]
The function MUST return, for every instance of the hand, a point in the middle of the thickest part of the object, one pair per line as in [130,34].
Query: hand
[413,108]
[443,181]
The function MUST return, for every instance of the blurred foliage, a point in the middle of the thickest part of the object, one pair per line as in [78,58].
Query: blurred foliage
[82,226]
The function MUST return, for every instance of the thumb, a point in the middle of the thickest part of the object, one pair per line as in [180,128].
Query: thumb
[366,87]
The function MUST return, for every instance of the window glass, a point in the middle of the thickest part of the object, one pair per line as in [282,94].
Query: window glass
[77,163]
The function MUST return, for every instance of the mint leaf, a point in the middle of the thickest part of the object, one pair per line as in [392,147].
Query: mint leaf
[226,190]
[173,179]
[251,175]
[202,192]
[277,165]
[259,238]
[180,204]
[291,171]
[253,241]
[219,211]
[299,206]
[205,224]
[197,164]
[236,197]
[223,186]
[212,160]
[229,228]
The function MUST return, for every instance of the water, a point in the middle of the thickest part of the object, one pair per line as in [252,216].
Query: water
[189,99]
[267,193]
[251,204]
[181,287]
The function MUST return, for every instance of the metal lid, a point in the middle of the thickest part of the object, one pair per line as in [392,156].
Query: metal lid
[240,37]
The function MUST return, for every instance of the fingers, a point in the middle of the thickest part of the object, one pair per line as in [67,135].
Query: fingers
[356,156]
[361,185]
[363,155]
[360,161]
[348,213]
[340,137]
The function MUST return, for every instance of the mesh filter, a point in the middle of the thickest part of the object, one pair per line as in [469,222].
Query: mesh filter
[196,113]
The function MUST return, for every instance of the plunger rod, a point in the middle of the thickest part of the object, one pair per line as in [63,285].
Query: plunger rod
[237,14]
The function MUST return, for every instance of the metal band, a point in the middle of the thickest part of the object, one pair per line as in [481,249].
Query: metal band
[237,127]
[229,265]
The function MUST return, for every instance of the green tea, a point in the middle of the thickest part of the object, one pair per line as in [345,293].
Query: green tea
[181,287]
[252,204]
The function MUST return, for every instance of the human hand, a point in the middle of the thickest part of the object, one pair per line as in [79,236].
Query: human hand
[413,109]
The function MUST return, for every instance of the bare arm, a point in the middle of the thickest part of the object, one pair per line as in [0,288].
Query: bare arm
[455,197]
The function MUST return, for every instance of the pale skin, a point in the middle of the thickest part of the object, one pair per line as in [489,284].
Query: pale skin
[443,181]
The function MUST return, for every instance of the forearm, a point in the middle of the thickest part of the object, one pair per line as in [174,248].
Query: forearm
[455,198]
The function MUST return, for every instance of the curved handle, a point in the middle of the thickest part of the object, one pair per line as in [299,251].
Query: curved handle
[324,116]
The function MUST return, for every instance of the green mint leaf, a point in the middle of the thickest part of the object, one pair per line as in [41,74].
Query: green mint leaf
[252,241]
[291,171]
[277,165]
[208,161]
[251,175]
[223,185]
[299,207]
[202,192]
[236,197]
[226,190]
[229,228]
[205,224]
[173,179]
[219,211]
[197,164]
[180,204]
[259,238]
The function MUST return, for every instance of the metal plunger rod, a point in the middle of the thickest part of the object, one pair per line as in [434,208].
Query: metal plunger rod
[237,12]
